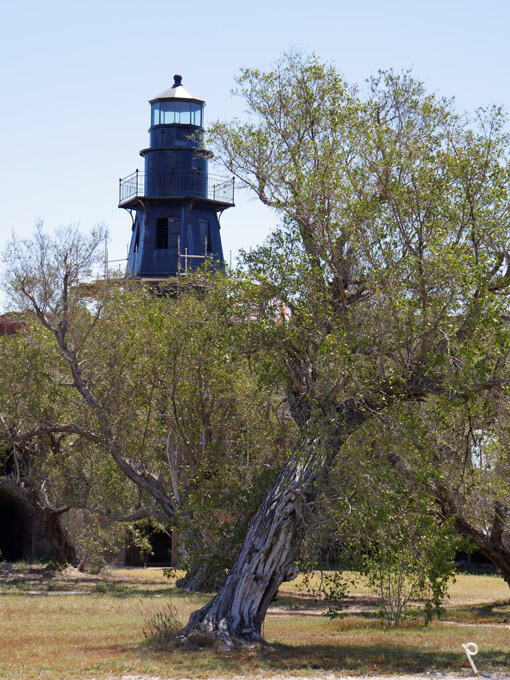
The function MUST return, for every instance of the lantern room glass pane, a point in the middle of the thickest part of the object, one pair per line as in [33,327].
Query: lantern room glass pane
[180,112]
[176,112]
[155,114]
[167,113]
[196,114]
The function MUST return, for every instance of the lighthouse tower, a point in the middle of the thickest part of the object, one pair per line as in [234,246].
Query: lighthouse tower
[175,202]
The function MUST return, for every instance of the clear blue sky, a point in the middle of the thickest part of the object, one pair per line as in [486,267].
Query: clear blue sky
[76,77]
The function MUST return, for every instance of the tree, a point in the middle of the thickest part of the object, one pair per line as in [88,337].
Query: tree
[138,405]
[392,260]
[53,464]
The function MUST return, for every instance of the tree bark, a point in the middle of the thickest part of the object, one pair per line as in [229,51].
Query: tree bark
[266,558]
[489,546]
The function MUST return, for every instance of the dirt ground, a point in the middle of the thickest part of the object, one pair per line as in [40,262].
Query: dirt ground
[324,676]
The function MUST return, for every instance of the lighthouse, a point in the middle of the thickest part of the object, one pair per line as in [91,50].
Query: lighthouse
[174,202]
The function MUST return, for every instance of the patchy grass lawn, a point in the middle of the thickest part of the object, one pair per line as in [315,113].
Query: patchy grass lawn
[78,626]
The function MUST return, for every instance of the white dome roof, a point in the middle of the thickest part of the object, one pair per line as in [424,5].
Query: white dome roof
[177,91]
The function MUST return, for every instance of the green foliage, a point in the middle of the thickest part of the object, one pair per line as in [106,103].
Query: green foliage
[389,256]
[128,405]
[407,559]
[392,262]
[97,541]
[399,539]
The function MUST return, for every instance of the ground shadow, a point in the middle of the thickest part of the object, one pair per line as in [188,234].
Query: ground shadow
[377,658]
[492,612]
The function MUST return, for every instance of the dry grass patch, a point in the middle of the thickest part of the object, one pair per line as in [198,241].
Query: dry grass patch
[44,636]
[475,588]
[99,633]
[465,588]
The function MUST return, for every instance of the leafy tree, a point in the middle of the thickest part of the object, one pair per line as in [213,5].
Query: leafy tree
[142,405]
[392,261]
[54,464]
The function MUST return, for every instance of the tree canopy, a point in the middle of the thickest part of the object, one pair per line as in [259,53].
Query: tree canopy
[135,405]
[392,259]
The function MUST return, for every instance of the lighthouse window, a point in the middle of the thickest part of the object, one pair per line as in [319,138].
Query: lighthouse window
[196,114]
[167,112]
[155,114]
[168,230]
[162,233]
[182,113]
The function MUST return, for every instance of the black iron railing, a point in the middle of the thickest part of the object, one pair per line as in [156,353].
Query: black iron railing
[131,186]
[199,184]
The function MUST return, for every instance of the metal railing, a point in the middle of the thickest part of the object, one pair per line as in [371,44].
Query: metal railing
[131,186]
[199,184]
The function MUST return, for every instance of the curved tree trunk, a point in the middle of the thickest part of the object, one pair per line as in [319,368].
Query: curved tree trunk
[491,545]
[274,537]
[266,558]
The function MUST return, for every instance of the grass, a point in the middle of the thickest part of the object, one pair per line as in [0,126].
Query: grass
[48,631]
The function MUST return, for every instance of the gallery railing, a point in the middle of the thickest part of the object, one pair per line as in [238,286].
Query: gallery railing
[198,184]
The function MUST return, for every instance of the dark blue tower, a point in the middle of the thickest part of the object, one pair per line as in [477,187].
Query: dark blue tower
[175,201]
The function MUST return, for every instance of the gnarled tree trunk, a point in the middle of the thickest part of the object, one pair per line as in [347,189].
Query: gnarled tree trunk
[274,537]
[266,558]
[489,546]
[48,519]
